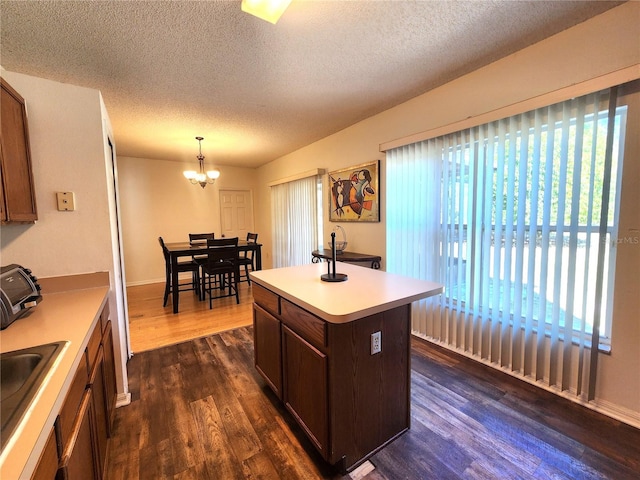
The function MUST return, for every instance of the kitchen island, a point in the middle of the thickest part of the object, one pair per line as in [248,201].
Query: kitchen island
[338,354]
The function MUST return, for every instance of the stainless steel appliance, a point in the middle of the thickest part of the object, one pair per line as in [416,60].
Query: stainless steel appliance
[19,293]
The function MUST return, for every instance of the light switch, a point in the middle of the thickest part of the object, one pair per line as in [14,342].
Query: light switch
[66,201]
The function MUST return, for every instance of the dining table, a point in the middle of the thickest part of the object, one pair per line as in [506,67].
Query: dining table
[186,249]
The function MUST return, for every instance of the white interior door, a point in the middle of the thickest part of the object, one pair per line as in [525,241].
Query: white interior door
[236,213]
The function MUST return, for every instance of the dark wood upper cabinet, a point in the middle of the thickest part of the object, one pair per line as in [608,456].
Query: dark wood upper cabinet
[18,204]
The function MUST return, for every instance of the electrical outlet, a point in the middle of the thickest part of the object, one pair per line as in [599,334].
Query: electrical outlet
[66,201]
[376,343]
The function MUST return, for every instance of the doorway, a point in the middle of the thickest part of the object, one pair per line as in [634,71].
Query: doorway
[236,213]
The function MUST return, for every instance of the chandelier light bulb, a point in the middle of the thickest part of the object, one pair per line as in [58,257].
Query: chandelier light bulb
[201,177]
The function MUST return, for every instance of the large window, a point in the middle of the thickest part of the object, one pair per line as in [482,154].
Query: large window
[296,211]
[537,234]
[518,219]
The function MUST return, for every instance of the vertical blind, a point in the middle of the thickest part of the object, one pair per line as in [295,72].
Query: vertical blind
[518,219]
[294,213]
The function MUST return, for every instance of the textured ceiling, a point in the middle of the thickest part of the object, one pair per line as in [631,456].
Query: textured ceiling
[171,70]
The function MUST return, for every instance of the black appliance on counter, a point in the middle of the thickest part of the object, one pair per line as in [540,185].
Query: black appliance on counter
[19,293]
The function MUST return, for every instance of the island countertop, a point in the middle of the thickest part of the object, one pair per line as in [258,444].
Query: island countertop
[365,293]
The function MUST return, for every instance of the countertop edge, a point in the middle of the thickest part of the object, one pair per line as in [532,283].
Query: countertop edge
[420,290]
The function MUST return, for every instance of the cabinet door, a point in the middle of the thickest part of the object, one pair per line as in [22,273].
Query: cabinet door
[3,210]
[19,204]
[267,351]
[71,406]
[96,383]
[305,391]
[48,462]
[78,460]
[109,375]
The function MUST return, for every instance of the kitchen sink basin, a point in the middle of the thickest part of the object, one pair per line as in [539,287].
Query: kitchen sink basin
[22,372]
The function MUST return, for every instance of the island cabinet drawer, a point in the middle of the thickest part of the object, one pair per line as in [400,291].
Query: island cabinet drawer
[305,324]
[266,299]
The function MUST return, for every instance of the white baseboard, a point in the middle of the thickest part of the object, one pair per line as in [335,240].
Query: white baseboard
[612,410]
[123,399]
[145,282]
[183,276]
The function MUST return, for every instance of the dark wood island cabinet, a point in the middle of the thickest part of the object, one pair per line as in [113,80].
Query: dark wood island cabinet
[314,345]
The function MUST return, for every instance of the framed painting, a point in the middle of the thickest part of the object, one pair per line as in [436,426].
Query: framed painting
[354,193]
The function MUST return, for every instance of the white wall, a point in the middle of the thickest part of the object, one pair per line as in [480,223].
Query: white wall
[157,201]
[67,129]
[602,45]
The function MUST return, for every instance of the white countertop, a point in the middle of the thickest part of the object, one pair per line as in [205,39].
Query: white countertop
[365,293]
[68,316]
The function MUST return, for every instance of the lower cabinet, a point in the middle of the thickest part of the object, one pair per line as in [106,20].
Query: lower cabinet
[109,375]
[349,401]
[78,446]
[78,459]
[71,406]
[84,449]
[305,387]
[48,462]
[267,349]
[101,418]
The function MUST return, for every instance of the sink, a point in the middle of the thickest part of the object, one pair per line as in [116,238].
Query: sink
[21,375]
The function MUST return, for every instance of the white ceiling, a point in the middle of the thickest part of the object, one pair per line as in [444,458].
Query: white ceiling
[171,70]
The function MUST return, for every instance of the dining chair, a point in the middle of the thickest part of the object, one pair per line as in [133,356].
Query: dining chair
[183,266]
[246,259]
[200,238]
[221,270]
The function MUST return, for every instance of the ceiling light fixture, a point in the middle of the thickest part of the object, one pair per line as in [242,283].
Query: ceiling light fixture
[269,10]
[201,178]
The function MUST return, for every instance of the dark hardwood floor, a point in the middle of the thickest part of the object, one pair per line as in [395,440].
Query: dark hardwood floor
[199,410]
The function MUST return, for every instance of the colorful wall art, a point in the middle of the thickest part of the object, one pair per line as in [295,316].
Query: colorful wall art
[354,194]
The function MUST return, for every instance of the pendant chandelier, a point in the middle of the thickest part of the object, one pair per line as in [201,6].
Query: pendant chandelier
[201,177]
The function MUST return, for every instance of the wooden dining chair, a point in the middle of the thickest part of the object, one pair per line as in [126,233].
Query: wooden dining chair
[183,266]
[200,238]
[246,259]
[221,270]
